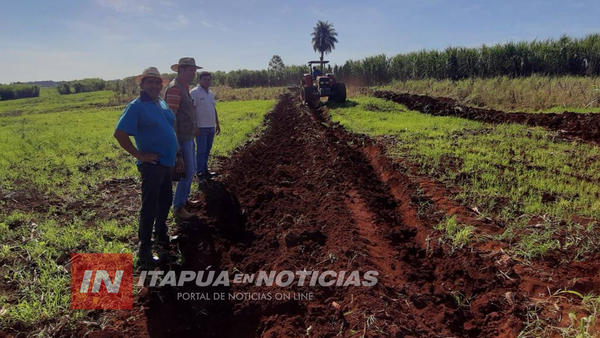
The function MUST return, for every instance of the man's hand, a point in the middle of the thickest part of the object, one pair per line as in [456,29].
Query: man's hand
[126,144]
[179,165]
[148,158]
[218,130]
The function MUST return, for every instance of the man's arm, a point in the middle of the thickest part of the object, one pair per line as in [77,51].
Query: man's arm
[126,144]
[196,130]
[218,129]
[173,99]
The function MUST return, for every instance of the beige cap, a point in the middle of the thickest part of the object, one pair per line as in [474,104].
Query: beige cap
[185,62]
[151,72]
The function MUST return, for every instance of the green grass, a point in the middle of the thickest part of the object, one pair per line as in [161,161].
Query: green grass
[239,120]
[65,153]
[583,312]
[222,94]
[545,192]
[71,152]
[530,94]
[50,101]
[459,235]
[38,258]
[62,147]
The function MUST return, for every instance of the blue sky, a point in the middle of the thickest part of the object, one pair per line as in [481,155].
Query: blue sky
[66,40]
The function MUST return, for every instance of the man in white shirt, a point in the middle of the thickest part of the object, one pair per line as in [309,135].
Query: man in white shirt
[207,121]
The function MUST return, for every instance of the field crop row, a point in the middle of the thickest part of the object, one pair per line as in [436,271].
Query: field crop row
[545,193]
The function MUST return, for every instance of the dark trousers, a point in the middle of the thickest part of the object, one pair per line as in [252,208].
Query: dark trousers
[157,195]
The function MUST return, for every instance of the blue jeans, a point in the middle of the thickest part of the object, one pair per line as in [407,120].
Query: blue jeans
[157,192]
[204,143]
[182,192]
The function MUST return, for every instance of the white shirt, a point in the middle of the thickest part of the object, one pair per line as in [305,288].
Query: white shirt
[206,114]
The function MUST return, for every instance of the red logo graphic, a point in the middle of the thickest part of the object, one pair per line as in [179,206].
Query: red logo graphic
[101,281]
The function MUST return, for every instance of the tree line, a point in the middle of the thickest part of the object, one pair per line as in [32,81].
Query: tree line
[564,56]
[81,86]
[551,57]
[18,91]
[243,78]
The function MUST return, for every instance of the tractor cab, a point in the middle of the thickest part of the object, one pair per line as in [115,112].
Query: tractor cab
[316,71]
[315,85]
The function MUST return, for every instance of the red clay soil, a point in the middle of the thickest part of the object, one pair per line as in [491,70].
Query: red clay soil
[585,126]
[309,195]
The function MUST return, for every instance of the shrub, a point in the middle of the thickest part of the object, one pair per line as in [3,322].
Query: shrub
[18,91]
[81,86]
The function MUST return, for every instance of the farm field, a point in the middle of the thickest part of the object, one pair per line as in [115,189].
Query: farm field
[584,126]
[536,93]
[310,194]
[513,174]
[67,187]
[379,169]
[477,229]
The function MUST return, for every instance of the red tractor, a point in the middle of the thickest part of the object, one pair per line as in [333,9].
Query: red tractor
[314,86]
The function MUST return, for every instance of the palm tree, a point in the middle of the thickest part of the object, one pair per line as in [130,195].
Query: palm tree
[324,40]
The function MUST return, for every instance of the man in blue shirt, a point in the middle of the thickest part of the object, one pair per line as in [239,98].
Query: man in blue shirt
[316,72]
[150,121]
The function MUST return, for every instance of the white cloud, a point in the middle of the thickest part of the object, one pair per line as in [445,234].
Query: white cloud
[145,8]
[109,32]
[148,47]
[318,11]
[167,3]
[218,25]
[126,6]
[180,22]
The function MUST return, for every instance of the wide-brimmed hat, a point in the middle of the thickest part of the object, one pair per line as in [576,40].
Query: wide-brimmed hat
[185,62]
[152,72]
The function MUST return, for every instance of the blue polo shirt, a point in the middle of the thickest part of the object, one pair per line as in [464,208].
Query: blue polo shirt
[151,125]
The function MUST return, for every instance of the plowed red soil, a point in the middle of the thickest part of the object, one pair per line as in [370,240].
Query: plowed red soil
[309,195]
[585,126]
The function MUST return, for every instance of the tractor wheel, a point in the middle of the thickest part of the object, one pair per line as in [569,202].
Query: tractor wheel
[307,97]
[340,93]
[303,95]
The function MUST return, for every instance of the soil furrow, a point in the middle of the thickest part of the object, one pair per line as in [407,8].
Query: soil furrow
[585,126]
[308,195]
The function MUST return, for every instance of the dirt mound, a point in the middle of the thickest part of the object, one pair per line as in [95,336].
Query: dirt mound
[585,126]
[313,201]
[307,195]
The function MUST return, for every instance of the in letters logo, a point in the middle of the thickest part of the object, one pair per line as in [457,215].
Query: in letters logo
[101,281]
